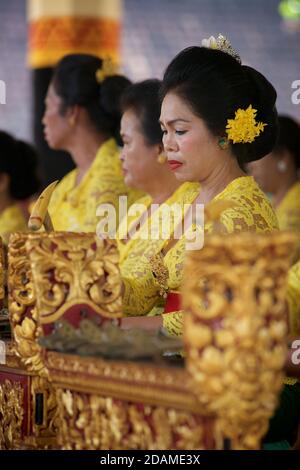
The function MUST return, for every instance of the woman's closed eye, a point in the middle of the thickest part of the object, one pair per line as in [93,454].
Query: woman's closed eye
[178,132]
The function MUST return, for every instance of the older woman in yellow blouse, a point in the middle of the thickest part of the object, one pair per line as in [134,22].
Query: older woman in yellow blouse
[145,168]
[82,116]
[278,174]
[208,136]
[18,181]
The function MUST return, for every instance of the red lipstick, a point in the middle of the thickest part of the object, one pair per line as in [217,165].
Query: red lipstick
[174,164]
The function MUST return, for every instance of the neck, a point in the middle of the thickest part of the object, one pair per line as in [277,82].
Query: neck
[219,178]
[285,185]
[83,150]
[161,189]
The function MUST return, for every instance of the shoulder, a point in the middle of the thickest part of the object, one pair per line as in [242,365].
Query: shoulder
[252,211]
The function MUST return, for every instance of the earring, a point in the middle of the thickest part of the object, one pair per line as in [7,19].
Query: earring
[162,158]
[223,143]
[281,165]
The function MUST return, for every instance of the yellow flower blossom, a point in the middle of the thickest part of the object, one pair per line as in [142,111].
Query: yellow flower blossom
[244,128]
[108,69]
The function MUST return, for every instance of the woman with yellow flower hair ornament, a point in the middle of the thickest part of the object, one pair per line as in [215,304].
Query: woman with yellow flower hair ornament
[82,116]
[217,115]
[210,130]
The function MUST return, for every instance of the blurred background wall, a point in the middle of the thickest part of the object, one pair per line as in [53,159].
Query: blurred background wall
[153,32]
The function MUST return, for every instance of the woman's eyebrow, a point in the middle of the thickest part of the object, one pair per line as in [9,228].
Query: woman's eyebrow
[173,121]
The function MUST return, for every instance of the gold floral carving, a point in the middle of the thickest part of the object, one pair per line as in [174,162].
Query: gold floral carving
[97,422]
[22,306]
[11,413]
[235,329]
[12,359]
[74,268]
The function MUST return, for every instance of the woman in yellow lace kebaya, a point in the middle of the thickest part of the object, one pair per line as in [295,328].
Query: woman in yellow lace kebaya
[194,115]
[217,115]
[278,174]
[18,181]
[145,168]
[82,116]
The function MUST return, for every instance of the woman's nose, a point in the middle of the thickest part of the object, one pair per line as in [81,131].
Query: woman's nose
[169,143]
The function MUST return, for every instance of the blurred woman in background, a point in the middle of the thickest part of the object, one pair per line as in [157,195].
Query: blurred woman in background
[278,175]
[18,182]
[145,168]
[82,116]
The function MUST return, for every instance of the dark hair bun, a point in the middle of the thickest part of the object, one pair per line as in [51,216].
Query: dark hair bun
[76,83]
[143,99]
[110,94]
[263,100]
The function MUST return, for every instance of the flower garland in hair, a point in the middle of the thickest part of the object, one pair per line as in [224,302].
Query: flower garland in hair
[108,69]
[244,128]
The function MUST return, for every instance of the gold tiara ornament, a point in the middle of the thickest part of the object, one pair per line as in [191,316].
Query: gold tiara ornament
[222,44]
[244,128]
[108,69]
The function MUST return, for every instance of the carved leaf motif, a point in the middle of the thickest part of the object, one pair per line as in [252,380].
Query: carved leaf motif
[22,307]
[11,414]
[70,268]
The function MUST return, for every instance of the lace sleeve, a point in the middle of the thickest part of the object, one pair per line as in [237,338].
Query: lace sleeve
[173,323]
[141,293]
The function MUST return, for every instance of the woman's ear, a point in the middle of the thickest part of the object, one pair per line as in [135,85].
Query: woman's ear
[73,114]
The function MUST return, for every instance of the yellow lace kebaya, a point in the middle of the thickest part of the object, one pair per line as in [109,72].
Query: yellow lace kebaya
[141,293]
[129,222]
[288,213]
[73,207]
[12,220]
[252,212]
